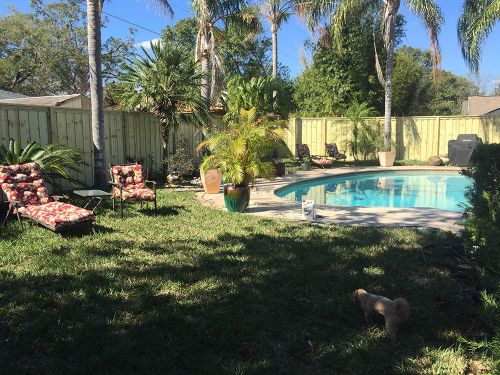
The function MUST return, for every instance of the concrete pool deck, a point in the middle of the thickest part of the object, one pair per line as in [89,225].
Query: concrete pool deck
[264,202]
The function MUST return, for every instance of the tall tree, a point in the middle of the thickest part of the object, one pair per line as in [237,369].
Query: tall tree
[414,91]
[212,17]
[94,8]
[343,68]
[277,12]
[477,20]
[32,64]
[339,10]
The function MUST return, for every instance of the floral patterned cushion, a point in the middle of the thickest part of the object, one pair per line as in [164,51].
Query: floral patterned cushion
[127,174]
[322,161]
[23,183]
[138,194]
[302,151]
[333,151]
[132,180]
[57,214]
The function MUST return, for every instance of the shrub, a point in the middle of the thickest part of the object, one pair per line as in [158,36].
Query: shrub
[482,229]
[483,212]
[180,162]
[56,161]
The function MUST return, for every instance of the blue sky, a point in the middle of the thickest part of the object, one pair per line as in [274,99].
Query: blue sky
[292,35]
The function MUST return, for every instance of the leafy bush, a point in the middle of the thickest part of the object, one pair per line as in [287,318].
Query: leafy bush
[238,151]
[180,162]
[256,93]
[56,161]
[483,213]
[365,131]
[482,228]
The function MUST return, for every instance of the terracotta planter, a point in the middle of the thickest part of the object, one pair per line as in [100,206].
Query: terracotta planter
[211,180]
[236,198]
[387,158]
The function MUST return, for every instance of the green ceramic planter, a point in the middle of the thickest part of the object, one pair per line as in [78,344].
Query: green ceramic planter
[236,198]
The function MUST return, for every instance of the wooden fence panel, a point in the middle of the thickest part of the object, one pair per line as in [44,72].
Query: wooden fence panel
[416,138]
[129,136]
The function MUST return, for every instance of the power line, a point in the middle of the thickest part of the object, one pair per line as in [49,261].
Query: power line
[131,23]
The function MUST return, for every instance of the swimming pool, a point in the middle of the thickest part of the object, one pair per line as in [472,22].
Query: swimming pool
[443,190]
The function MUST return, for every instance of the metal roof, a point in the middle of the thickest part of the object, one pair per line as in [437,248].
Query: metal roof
[44,101]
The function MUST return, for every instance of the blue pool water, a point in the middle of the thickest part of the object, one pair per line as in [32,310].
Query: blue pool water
[443,190]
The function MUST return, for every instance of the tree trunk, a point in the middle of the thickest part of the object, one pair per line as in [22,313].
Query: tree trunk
[205,65]
[389,39]
[274,32]
[96,89]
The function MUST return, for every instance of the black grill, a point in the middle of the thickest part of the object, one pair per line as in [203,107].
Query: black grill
[461,149]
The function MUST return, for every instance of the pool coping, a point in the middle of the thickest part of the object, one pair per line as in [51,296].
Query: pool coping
[264,202]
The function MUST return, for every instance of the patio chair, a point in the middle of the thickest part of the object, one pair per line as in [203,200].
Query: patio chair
[302,152]
[28,197]
[333,151]
[129,185]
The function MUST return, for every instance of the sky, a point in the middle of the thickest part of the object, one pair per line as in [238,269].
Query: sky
[293,34]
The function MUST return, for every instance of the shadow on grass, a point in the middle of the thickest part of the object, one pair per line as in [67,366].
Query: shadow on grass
[172,210]
[249,303]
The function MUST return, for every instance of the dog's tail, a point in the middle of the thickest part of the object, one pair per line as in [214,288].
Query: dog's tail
[402,308]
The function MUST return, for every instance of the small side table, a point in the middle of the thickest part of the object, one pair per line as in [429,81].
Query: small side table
[95,197]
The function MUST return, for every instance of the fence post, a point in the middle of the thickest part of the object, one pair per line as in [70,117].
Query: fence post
[438,143]
[52,135]
[323,136]
[124,135]
[298,134]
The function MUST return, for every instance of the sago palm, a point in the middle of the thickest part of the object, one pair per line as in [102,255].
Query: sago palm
[166,82]
[56,161]
[339,12]
[477,21]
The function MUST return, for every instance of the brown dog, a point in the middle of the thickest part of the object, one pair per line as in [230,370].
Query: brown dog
[394,312]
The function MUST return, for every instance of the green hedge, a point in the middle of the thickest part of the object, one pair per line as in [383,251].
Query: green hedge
[482,234]
[482,227]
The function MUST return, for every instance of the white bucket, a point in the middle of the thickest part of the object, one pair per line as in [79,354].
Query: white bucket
[308,210]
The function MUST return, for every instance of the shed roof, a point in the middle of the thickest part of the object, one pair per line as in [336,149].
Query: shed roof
[481,105]
[44,101]
[10,95]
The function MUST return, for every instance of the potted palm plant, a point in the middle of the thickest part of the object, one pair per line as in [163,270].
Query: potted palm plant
[237,153]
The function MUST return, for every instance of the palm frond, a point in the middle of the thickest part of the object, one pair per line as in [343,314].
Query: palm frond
[164,6]
[476,22]
[431,14]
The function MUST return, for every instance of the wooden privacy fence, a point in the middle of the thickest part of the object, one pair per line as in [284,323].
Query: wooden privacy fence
[129,136]
[416,138]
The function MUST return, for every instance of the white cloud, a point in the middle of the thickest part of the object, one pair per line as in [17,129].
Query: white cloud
[147,43]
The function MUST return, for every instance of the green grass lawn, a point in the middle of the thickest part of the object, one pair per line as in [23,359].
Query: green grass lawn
[196,290]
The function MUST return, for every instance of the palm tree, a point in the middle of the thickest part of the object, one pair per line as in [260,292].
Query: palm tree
[477,20]
[94,9]
[208,14]
[166,82]
[341,10]
[277,12]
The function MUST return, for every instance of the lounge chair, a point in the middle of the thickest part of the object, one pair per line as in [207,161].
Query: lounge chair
[302,152]
[28,197]
[333,151]
[129,185]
